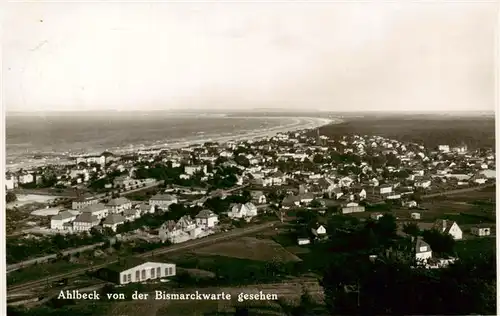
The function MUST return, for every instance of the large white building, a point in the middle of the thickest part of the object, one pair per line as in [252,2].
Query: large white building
[99,210]
[84,222]
[62,220]
[118,205]
[134,271]
[82,202]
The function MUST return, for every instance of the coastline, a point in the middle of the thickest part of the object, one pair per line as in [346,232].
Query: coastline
[299,123]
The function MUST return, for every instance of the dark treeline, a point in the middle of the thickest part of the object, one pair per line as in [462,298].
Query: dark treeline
[473,132]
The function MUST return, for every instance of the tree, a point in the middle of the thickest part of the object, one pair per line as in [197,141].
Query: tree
[386,227]
[440,243]
[10,197]
[411,229]
[315,204]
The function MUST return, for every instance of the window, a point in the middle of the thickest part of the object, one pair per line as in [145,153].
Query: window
[129,277]
[170,271]
[152,273]
[158,272]
[166,271]
[143,274]
[423,248]
[137,275]
[124,278]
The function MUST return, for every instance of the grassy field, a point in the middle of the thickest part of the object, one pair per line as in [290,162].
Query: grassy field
[250,248]
[475,246]
[37,272]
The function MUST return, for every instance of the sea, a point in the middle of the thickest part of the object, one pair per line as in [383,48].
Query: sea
[36,139]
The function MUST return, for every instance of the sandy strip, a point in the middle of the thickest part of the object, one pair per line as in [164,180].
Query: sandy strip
[298,123]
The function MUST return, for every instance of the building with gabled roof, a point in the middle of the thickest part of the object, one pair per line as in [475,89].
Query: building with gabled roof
[85,222]
[207,219]
[58,221]
[113,220]
[448,227]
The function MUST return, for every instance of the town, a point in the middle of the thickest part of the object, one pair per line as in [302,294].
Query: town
[304,188]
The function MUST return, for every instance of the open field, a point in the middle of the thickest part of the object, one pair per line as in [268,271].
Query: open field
[250,248]
[475,246]
[24,199]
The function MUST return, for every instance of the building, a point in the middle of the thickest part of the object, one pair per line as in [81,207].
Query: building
[113,220]
[444,148]
[448,227]
[423,251]
[258,197]
[99,210]
[10,184]
[207,219]
[353,209]
[82,202]
[480,231]
[118,205]
[132,214]
[385,189]
[415,215]
[246,210]
[85,221]
[191,170]
[61,220]
[319,231]
[134,271]
[100,160]
[169,231]
[163,201]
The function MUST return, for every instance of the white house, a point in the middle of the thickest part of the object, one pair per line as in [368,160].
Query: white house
[385,189]
[423,251]
[303,241]
[118,205]
[246,210]
[84,201]
[132,214]
[163,201]
[60,221]
[319,231]
[480,231]
[362,194]
[448,227]
[207,219]
[84,222]
[99,210]
[423,184]
[113,220]
[415,215]
[169,231]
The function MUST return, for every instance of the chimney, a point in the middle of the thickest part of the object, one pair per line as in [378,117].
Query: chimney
[444,225]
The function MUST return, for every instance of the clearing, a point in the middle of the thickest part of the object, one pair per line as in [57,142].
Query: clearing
[250,248]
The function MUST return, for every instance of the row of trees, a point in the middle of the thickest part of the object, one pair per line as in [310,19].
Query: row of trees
[19,249]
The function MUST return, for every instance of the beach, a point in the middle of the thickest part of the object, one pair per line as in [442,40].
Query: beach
[56,141]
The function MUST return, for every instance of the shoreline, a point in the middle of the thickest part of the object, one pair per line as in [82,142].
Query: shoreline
[300,123]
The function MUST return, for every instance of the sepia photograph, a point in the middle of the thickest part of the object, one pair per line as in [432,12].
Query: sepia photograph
[249,158]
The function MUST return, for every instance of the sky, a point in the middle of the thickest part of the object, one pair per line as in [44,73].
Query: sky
[334,56]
